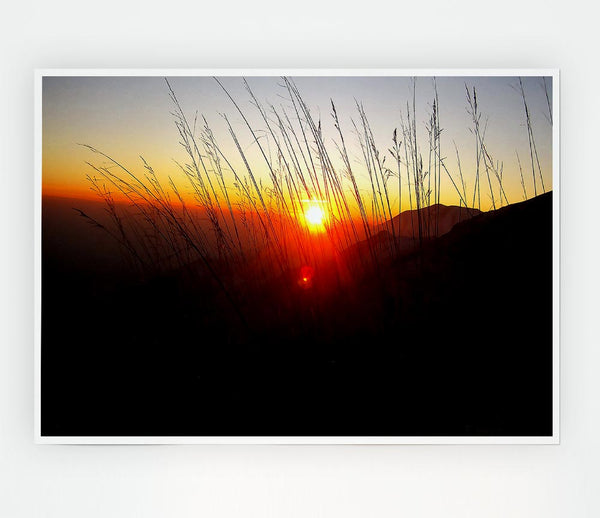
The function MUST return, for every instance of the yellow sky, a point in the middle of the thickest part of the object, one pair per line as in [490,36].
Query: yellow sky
[126,117]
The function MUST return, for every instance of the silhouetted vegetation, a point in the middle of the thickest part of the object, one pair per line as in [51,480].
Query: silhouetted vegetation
[232,315]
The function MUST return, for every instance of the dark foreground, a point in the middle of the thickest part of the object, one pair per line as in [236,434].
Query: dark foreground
[452,340]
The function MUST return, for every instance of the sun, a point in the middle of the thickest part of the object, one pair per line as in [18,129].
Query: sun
[314,215]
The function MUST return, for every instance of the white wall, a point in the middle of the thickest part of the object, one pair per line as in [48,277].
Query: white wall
[414,481]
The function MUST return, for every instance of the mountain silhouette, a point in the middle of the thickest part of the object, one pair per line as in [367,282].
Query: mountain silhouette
[436,220]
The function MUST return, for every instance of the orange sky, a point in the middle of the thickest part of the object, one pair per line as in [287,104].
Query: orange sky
[130,116]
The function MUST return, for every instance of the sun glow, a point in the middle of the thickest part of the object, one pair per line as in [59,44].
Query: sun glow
[314,215]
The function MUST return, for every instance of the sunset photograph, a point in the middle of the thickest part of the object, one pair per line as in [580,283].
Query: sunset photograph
[303,255]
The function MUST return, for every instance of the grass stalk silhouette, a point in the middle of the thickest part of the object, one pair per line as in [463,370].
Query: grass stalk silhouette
[249,235]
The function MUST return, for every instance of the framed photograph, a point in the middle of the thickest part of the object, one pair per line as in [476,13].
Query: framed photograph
[297,256]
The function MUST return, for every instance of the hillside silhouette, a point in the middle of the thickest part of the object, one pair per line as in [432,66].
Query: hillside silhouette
[453,336]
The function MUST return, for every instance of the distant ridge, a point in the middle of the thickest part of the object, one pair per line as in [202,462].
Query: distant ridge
[436,220]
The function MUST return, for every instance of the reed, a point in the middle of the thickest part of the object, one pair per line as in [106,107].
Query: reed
[249,236]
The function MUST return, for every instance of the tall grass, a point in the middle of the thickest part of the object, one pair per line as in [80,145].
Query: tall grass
[245,235]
